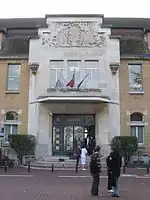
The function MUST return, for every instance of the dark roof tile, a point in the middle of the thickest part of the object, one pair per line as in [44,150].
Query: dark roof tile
[15,46]
[128,22]
[21,22]
[131,46]
[24,33]
[115,22]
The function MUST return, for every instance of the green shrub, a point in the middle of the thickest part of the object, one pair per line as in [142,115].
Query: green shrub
[22,144]
[126,145]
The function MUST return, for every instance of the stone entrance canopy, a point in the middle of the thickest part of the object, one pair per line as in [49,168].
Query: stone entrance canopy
[96,99]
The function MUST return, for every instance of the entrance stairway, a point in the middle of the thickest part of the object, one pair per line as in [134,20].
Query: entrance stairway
[59,163]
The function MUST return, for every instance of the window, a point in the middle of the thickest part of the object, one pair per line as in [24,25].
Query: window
[73,66]
[56,73]
[135,78]
[13,79]
[137,126]
[10,124]
[92,70]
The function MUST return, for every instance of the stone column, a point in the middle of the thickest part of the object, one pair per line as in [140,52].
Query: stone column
[43,137]
[50,134]
[37,116]
[32,119]
[114,109]
[32,106]
[102,131]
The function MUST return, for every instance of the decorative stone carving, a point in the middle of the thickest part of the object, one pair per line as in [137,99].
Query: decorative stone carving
[114,68]
[34,67]
[74,34]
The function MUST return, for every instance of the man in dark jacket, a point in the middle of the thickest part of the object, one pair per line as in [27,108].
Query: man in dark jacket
[78,155]
[115,169]
[109,173]
[95,169]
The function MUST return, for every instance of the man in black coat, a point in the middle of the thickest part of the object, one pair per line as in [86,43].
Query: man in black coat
[109,173]
[78,155]
[115,169]
[95,169]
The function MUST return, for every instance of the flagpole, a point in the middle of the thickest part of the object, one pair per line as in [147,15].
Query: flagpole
[78,86]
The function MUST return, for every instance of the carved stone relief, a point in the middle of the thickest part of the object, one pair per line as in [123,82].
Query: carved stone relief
[74,34]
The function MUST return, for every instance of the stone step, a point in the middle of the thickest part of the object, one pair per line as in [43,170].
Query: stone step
[52,158]
[66,164]
[60,162]
[55,166]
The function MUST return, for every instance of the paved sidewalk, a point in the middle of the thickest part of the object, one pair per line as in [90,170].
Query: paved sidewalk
[43,185]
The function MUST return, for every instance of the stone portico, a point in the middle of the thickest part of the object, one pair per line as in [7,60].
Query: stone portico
[78,40]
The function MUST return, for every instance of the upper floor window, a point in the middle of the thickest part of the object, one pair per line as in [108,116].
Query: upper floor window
[135,77]
[73,71]
[56,72]
[92,72]
[137,126]
[13,78]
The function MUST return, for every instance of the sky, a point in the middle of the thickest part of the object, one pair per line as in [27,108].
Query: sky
[110,8]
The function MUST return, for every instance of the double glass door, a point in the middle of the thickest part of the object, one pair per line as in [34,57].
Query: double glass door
[66,139]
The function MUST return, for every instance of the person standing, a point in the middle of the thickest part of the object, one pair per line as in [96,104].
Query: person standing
[109,173]
[95,169]
[83,157]
[78,155]
[115,168]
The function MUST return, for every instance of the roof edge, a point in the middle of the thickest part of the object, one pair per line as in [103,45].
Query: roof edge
[135,57]
[14,57]
[73,15]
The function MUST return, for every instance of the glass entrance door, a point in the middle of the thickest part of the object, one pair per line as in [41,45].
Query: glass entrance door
[66,139]
[57,140]
[78,136]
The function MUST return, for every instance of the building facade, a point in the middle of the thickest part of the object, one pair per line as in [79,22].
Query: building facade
[73,50]
[134,82]
[14,86]
[69,79]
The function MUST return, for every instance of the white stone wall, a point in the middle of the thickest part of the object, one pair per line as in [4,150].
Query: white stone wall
[41,127]
[43,55]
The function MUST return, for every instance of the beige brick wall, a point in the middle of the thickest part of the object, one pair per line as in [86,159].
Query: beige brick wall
[130,103]
[15,102]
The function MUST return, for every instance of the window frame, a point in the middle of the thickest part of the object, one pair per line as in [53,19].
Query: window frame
[52,67]
[10,76]
[131,90]
[95,84]
[137,124]
[91,81]
[76,68]
[56,78]
[137,132]
[11,131]
[10,123]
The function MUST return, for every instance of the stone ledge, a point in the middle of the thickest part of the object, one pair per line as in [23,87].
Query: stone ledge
[72,90]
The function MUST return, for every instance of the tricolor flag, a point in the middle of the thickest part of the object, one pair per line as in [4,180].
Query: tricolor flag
[71,83]
[78,86]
